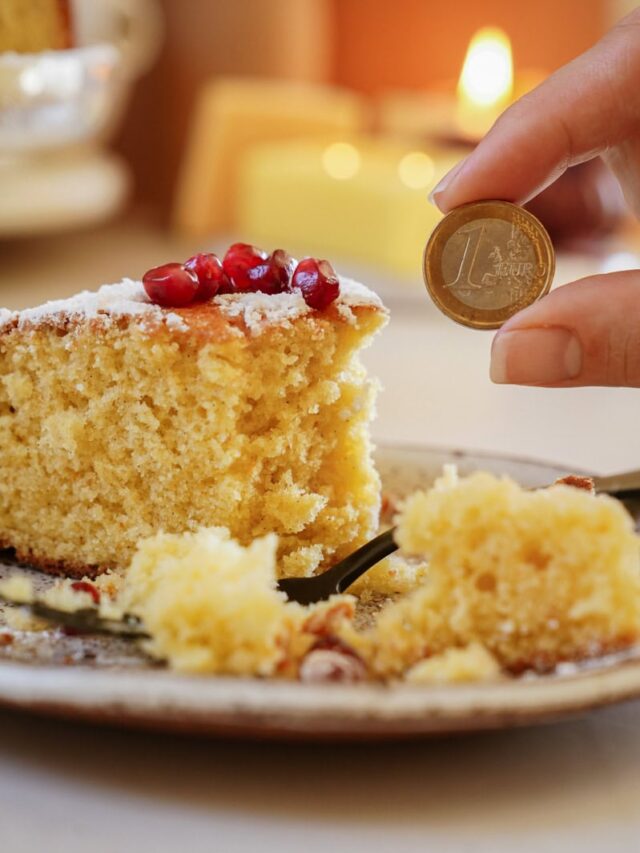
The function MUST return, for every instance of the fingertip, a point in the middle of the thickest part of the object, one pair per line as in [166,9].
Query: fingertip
[536,356]
[582,333]
[440,193]
[498,366]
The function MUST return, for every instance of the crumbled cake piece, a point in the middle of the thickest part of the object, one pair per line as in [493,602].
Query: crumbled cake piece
[394,576]
[119,418]
[211,605]
[456,666]
[29,26]
[537,577]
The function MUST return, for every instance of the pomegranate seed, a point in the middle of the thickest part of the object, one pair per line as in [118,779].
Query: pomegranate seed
[273,275]
[239,261]
[170,285]
[227,286]
[85,586]
[281,266]
[259,278]
[211,277]
[317,281]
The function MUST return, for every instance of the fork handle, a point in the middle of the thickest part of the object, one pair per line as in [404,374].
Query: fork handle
[617,484]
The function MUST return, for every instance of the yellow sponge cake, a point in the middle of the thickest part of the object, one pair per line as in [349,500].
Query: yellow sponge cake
[120,418]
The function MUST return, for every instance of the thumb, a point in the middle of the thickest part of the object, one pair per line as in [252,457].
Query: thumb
[584,333]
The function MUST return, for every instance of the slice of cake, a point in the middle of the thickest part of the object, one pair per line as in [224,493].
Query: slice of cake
[120,418]
[29,26]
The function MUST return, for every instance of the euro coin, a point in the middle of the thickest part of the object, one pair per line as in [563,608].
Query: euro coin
[487,260]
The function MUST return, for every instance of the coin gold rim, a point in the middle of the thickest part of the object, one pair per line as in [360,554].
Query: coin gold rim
[478,318]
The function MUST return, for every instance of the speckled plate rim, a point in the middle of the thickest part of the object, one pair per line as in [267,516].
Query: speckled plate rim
[163,700]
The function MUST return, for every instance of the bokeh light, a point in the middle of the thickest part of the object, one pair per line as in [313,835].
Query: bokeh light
[341,160]
[416,170]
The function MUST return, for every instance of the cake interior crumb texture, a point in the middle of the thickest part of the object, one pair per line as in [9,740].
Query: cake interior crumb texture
[117,423]
[29,26]
[237,622]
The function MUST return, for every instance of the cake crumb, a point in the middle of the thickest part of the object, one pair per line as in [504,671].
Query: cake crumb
[455,666]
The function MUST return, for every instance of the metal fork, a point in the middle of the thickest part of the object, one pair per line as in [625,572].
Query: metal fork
[337,579]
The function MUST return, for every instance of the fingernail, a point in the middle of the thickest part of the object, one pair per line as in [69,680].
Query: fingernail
[445,182]
[535,357]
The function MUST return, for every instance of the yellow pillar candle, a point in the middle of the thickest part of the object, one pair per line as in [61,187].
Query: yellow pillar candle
[360,200]
[232,116]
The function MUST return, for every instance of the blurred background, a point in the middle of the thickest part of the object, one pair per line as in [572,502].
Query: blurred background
[134,132]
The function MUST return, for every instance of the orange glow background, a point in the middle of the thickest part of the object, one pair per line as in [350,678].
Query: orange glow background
[411,43]
[370,45]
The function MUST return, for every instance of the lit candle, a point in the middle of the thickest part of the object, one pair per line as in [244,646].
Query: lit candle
[485,86]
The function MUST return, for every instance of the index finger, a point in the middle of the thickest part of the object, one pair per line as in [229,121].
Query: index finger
[583,109]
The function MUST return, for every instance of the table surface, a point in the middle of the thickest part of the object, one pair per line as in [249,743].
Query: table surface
[572,785]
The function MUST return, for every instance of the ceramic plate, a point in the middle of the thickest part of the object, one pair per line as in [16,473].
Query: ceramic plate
[106,680]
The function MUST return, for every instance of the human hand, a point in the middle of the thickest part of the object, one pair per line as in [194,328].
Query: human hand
[586,332]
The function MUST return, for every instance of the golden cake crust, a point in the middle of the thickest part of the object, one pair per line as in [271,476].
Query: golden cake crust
[201,322]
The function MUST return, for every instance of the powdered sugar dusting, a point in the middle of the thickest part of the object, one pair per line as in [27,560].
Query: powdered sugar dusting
[261,309]
[354,293]
[129,299]
[175,322]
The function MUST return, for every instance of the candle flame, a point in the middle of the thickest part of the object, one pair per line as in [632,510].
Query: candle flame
[485,86]
[487,73]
